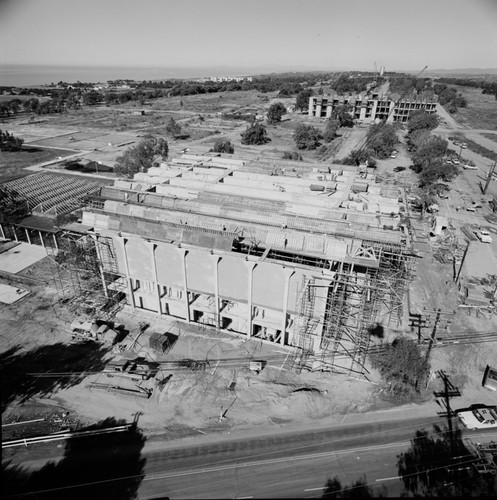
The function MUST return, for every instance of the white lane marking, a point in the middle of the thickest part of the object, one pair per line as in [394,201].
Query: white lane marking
[242,498]
[315,489]
[388,478]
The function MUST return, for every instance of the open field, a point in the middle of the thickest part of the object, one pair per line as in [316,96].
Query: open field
[481,112]
[12,164]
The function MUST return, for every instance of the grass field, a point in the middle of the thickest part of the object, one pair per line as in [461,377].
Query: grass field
[481,112]
[492,137]
[12,163]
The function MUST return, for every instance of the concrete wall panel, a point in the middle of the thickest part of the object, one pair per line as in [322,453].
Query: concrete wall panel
[268,286]
[169,265]
[200,272]
[233,279]
[140,259]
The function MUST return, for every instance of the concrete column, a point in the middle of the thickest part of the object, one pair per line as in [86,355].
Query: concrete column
[55,242]
[41,239]
[1,231]
[152,247]
[15,234]
[183,253]
[250,266]
[329,110]
[100,266]
[318,111]
[288,274]
[128,279]
[216,259]
[27,236]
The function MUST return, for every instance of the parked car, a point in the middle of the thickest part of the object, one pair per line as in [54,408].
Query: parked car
[448,161]
[393,155]
[455,143]
[484,236]
[490,378]
[399,169]
[470,167]
[455,161]
[471,209]
[463,145]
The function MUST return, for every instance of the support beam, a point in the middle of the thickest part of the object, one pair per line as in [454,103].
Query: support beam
[152,247]
[128,278]
[183,254]
[2,232]
[41,238]
[250,266]
[288,274]
[216,259]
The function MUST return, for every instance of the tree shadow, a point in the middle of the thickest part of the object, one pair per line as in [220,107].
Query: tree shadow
[439,463]
[105,466]
[359,489]
[46,369]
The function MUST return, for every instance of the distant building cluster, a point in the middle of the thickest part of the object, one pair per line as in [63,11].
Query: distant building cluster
[372,108]
[231,78]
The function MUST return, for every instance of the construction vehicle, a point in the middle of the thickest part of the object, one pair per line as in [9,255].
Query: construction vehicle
[94,331]
[135,369]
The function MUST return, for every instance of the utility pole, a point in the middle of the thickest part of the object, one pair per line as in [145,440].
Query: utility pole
[433,333]
[489,178]
[450,391]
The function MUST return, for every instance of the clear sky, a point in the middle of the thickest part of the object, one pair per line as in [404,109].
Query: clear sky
[322,34]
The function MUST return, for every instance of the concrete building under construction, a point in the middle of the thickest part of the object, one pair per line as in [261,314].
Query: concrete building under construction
[372,108]
[311,260]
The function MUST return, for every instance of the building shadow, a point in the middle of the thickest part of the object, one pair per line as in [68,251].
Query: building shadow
[43,370]
[103,466]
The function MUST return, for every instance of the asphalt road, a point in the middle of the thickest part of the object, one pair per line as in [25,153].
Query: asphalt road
[292,465]
[283,463]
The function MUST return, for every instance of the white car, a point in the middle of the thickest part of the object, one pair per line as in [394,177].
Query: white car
[455,162]
[484,236]
[470,167]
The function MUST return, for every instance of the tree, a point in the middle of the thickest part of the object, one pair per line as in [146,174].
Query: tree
[92,98]
[430,149]
[402,366]
[255,134]
[360,157]
[302,101]
[223,146]
[330,132]
[342,114]
[307,137]
[381,140]
[8,142]
[421,120]
[292,155]
[275,112]
[173,128]
[13,207]
[141,157]
[440,464]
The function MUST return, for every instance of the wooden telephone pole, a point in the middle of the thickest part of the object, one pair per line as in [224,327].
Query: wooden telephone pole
[489,178]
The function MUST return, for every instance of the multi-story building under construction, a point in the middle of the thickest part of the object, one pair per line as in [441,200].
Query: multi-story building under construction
[312,260]
[372,108]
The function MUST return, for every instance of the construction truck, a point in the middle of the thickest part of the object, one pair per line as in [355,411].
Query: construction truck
[94,331]
[135,369]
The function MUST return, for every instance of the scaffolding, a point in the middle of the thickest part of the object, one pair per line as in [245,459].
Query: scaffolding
[358,299]
[305,324]
[85,274]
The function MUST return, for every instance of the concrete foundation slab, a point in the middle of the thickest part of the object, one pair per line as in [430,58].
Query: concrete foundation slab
[11,294]
[20,257]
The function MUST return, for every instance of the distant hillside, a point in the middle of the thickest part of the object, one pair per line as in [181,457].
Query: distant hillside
[462,72]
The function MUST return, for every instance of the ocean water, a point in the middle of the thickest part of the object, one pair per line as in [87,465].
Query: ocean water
[25,76]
